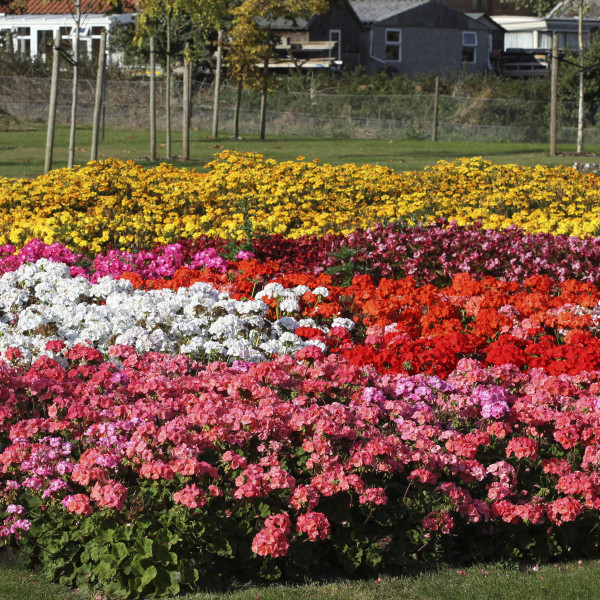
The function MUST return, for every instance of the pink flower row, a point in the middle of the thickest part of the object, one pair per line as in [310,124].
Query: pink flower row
[491,443]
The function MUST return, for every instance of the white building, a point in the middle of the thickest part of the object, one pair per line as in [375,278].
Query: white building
[535,33]
[31,30]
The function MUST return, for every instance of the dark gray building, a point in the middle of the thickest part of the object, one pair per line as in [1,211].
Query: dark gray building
[422,36]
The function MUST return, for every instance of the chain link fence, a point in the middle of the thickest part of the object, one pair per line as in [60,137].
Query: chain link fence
[316,114]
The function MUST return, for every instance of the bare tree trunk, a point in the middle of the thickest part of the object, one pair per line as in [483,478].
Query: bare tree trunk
[215,123]
[152,100]
[436,104]
[71,158]
[580,108]
[553,93]
[99,92]
[236,114]
[263,99]
[168,87]
[186,104]
[53,98]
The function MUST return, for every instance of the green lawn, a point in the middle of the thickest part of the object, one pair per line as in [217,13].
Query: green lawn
[564,581]
[22,149]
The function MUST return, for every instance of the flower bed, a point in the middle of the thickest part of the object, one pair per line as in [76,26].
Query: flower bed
[213,410]
[119,204]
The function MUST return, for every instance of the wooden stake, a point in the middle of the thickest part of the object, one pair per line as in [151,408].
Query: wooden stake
[152,100]
[215,125]
[436,101]
[52,106]
[553,93]
[99,92]
[185,133]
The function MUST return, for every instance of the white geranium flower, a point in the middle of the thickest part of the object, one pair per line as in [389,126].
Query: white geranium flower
[41,301]
[271,290]
[289,304]
[343,322]
[321,291]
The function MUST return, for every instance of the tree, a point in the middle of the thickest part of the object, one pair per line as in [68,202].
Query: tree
[569,78]
[75,60]
[548,7]
[253,41]
[197,21]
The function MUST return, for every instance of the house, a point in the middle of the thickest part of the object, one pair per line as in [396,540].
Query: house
[398,36]
[330,40]
[31,25]
[535,33]
[422,36]
[528,40]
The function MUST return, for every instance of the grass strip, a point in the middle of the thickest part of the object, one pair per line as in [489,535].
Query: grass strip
[22,148]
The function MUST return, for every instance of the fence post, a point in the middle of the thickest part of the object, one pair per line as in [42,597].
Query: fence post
[436,100]
[553,94]
[52,107]
[99,92]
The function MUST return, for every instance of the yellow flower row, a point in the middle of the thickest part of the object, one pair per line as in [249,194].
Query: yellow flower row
[129,207]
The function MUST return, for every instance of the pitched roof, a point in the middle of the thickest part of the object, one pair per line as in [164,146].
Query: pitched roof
[62,7]
[371,11]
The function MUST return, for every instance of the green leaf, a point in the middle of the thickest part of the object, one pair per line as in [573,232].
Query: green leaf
[149,574]
[121,550]
[115,590]
[162,555]
[220,547]
[107,535]
[189,574]
[104,569]
[95,551]
[264,510]
[144,547]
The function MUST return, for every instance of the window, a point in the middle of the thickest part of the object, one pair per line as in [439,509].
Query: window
[335,35]
[45,43]
[469,44]
[24,40]
[518,39]
[393,45]
[96,33]
[480,6]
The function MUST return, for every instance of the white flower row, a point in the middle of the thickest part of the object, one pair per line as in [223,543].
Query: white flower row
[41,302]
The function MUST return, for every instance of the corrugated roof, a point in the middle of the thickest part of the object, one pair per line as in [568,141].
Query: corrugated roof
[371,11]
[64,7]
